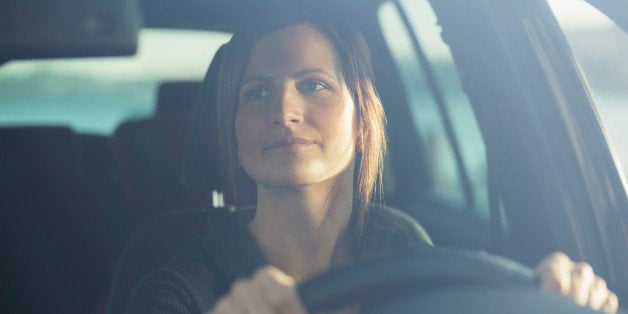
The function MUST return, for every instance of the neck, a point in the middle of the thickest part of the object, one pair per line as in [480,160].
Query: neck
[302,230]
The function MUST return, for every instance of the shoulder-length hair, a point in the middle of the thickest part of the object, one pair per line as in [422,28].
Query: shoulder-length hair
[354,56]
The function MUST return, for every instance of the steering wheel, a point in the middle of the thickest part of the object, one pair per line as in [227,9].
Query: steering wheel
[445,281]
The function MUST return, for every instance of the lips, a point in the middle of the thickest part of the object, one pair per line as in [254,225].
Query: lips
[289,142]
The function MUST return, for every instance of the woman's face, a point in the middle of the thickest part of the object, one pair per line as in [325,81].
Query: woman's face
[295,123]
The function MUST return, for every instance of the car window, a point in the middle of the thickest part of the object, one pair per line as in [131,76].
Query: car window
[94,95]
[456,152]
[600,48]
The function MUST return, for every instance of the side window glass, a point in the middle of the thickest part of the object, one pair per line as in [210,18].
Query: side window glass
[442,114]
[600,48]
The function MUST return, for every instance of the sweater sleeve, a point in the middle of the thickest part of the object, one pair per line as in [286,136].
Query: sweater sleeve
[189,283]
[169,291]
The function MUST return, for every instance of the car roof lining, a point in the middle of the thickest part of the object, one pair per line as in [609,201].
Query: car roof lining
[70,33]
[218,15]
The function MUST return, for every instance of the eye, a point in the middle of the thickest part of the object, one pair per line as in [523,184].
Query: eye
[311,86]
[257,93]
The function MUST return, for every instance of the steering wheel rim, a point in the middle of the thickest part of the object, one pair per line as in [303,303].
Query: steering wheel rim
[416,271]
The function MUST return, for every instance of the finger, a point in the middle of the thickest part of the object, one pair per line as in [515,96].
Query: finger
[599,294]
[555,273]
[247,298]
[612,304]
[282,292]
[582,278]
[227,305]
[218,307]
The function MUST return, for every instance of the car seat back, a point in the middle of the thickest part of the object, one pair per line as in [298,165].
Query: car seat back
[50,262]
[148,155]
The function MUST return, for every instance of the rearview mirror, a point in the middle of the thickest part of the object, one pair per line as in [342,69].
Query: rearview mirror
[67,28]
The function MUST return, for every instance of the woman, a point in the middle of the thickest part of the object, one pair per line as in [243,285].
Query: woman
[298,113]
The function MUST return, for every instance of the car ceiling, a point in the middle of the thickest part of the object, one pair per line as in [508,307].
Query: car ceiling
[219,15]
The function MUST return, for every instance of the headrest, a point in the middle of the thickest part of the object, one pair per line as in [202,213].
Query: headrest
[202,164]
[176,97]
[39,155]
[153,155]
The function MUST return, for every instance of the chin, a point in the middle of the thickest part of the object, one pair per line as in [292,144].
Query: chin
[285,180]
[296,174]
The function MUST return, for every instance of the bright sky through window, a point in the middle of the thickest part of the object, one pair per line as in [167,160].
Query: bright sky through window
[576,15]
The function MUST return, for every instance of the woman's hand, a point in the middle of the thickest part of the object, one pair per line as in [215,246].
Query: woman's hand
[560,274]
[268,291]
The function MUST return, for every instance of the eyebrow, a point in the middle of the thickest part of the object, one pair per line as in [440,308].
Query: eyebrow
[305,72]
[300,74]
[256,78]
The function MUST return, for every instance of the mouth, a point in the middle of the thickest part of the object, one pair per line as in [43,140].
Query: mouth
[289,143]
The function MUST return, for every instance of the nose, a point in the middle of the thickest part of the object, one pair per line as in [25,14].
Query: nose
[288,109]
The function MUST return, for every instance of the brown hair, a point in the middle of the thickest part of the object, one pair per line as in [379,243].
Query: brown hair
[354,55]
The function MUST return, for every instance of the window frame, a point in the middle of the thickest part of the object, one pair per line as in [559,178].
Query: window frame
[551,167]
[449,223]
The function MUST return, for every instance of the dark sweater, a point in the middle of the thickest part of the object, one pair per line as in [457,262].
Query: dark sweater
[204,269]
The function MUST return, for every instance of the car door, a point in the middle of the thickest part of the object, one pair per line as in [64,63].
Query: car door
[551,172]
[542,178]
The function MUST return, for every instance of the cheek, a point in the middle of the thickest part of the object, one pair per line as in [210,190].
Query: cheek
[346,125]
[339,123]
[348,119]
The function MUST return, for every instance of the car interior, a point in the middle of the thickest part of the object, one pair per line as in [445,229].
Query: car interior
[85,215]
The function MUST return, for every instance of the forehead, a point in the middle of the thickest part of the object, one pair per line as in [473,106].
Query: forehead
[292,48]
